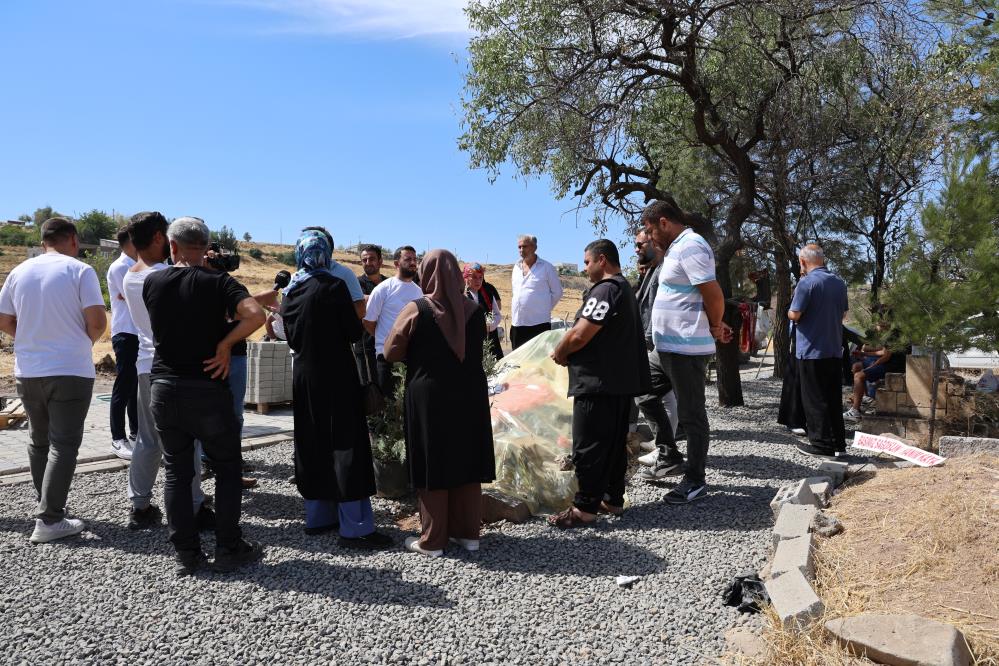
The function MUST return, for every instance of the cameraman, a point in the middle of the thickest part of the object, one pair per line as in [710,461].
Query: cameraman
[190,400]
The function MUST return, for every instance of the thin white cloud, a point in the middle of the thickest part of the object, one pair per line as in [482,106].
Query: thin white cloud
[376,18]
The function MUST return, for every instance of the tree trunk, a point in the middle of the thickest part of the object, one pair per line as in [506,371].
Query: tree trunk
[880,263]
[727,355]
[934,384]
[782,327]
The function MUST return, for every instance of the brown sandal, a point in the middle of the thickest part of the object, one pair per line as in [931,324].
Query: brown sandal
[611,509]
[568,519]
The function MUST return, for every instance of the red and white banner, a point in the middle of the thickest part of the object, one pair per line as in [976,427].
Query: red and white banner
[862,440]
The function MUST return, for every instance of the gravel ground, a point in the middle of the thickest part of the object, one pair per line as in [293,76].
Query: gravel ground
[532,595]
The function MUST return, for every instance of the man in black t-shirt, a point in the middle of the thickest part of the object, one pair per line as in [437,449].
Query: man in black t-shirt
[190,400]
[608,366]
[364,349]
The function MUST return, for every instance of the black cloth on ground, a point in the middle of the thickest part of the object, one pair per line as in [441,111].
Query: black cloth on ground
[332,449]
[187,312]
[449,437]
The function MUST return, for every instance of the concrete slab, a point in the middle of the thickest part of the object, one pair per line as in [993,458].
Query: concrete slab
[794,600]
[794,520]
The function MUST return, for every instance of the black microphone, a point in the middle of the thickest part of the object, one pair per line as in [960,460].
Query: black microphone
[281,280]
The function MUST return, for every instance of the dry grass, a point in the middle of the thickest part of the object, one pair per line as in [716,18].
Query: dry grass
[922,541]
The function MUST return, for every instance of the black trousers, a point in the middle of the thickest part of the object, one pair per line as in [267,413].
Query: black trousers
[687,376]
[384,378]
[186,410]
[364,354]
[599,449]
[126,384]
[521,334]
[822,402]
[654,410]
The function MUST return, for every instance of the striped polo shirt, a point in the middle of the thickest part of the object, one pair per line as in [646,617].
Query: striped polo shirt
[679,322]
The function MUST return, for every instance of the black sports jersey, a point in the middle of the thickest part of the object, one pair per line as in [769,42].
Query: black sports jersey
[614,361]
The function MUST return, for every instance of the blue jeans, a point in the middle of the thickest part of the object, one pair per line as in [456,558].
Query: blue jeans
[237,384]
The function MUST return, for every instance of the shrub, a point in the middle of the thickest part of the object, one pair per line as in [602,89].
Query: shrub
[256,253]
[286,257]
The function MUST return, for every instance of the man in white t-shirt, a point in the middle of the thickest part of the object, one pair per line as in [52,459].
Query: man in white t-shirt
[536,288]
[148,233]
[53,307]
[125,343]
[385,302]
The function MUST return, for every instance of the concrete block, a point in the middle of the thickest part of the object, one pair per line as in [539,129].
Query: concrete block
[901,640]
[821,487]
[895,382]
[794,600]
[794,555]
[834,470]
[959,447]
[795,493]
[955,386]
[793,521]
[886,402]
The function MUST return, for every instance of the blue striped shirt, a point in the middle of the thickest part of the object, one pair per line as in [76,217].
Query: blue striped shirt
[679,322]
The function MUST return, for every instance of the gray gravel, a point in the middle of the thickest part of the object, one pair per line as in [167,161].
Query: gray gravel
[532,595]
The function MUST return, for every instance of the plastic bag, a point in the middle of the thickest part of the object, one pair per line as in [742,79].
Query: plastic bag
[532,426]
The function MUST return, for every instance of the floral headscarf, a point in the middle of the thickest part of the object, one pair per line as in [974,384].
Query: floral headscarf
[313,254]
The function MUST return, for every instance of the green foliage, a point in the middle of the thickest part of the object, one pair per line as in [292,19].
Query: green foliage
[256,253]
[94,225]
[286,257]
[11,234]
[226,238]
[247,237]
[42,214]
[101,264]
[388,425]
[945,274]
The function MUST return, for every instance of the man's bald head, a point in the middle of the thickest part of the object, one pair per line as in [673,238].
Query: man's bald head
[812,256]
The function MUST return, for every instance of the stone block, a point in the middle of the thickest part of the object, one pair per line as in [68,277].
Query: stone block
[834,470]
[795,493]
[886,402]
[794,600]
[822,488]
[794,555]
[895,382]
[958,447]
[497,506]
[881,424]
[793,521]
[901,640]
[955,386]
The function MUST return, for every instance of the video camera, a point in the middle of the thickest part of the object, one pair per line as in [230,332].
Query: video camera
[222,260]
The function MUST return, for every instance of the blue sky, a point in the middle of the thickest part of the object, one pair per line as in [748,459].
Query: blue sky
[263,115]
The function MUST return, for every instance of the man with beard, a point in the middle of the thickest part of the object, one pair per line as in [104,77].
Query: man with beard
[364,350]
[384,305]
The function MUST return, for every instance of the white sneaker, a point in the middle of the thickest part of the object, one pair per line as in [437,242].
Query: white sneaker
[122,448]
[800,432]
[471,545]
[852,415]
[413,545]
[866,400]
[649,459]
[66,527]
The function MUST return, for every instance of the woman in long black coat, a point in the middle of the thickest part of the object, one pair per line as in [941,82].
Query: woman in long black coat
[333,468]
[449,439]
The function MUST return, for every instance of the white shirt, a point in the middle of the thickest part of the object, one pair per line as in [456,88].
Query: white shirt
[535,295]
[679,322]
[121,320]
[385,303]
[47,294]
[132,290]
